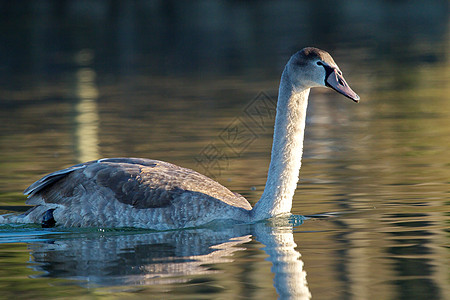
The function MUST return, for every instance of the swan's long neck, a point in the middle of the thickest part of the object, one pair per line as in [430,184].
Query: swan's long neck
[287,151]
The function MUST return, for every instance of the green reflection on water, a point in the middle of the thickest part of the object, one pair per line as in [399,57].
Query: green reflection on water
[382,164]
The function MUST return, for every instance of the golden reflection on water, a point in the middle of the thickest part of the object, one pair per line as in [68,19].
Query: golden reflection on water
[86,111]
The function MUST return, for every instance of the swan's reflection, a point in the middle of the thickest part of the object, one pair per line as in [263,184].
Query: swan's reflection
[149,258]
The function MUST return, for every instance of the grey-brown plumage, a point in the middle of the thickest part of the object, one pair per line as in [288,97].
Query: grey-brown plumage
[136,183]
[141,183]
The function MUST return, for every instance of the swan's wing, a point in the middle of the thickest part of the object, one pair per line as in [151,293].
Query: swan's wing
[51,178]
[140,183]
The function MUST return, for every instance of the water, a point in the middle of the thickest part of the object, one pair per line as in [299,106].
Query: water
[80,81]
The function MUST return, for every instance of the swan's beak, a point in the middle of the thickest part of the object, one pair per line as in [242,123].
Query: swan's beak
[336,81]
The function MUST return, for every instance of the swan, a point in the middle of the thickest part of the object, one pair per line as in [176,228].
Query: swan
[152,194]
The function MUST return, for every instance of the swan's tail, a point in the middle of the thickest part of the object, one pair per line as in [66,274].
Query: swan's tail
[15,219]
[39,214]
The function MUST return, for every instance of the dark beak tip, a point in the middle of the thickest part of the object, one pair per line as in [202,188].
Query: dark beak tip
[338,83]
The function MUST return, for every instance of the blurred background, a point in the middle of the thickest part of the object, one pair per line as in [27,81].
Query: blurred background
[80,80]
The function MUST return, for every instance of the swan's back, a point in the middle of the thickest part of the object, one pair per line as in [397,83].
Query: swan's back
[133,192]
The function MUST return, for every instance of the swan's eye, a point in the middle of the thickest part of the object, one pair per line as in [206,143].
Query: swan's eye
[319,63]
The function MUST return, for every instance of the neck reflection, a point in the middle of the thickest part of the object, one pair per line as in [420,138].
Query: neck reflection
[138,258]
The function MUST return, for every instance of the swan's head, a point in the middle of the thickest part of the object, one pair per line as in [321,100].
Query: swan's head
[312,67]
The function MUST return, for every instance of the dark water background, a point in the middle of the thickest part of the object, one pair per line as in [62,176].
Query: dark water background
[165,80]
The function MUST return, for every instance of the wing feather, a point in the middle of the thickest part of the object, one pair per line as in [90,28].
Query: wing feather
[141,183]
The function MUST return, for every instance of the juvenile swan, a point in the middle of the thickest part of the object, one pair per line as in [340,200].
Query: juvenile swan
[137,192]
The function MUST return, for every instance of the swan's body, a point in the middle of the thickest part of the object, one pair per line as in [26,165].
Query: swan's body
[132,192]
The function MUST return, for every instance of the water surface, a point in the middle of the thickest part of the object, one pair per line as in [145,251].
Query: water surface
[174,82]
